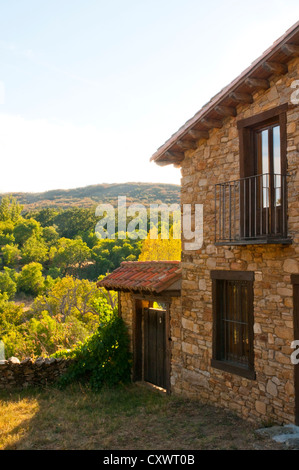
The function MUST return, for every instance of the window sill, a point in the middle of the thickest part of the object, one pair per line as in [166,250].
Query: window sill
[233,369]
[255,241]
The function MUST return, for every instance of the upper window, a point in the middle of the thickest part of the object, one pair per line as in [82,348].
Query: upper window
[253,208]
[233,322]
[268,163]
[263,143]
[263,172]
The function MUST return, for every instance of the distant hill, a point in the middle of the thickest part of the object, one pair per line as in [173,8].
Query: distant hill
[89,196]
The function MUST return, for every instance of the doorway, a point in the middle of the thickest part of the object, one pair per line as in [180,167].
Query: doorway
[155,347]
[151,343]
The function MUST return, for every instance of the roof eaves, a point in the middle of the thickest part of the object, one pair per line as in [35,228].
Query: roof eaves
[208,107]
[146,278]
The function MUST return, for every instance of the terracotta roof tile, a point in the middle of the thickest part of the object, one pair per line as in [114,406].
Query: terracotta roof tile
[145,276]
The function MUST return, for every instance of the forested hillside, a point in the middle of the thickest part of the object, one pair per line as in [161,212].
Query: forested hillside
[88,196]
[50,261]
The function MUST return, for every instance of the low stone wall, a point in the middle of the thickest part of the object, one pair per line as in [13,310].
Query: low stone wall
[29,373]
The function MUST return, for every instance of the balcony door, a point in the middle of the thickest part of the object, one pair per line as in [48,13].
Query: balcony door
[263,175]
[269,180]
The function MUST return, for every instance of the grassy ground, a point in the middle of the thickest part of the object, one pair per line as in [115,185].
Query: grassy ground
[129,418]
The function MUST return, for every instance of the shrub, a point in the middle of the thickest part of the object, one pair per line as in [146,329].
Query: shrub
[78,298]
[10,312]
[31,280]
[44,335]
[34,250]
[7,285]
[25,229]
[10,318]
[14,342]
[70,255]
[11,255]
[103,359]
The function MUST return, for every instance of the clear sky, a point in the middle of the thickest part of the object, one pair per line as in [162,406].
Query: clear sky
[89,89]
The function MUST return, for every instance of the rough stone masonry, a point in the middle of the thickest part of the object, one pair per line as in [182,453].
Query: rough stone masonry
[31,373]
[271,395]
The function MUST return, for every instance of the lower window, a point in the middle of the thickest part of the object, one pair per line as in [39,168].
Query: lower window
[233,322]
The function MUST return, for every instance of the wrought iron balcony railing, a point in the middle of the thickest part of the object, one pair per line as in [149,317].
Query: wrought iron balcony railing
[251,210]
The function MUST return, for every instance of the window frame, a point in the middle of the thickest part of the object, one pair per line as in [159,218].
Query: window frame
[247,128]
[216,362]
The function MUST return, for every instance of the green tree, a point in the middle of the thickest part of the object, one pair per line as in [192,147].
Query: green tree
[10,209]
[34,250]
[10,312]
[6,232]
[71,255]
[11,255]
[46,217]
[7,284]
[50,235]
[25,229]
[11,316]
[71,297]
[31,280]
[75,221]
[108,254]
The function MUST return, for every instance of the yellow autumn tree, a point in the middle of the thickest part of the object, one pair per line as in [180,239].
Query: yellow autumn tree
[156,247]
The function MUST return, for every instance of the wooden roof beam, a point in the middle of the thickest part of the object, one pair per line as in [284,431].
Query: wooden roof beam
[162,162]
[170,157]
[212,123]
[226,110]
[275,68]
[186,145]
[174,157]
[290,49]
[241,97]
[197,134]
[257,83]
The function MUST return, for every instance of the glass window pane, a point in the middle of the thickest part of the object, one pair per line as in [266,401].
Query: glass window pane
[276,150]
[265,151]
[234,323]
[277,165]
[265,166]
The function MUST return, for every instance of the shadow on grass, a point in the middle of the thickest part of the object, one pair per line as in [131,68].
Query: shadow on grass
[123,418]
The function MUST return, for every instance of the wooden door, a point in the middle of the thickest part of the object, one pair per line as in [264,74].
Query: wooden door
[155,347]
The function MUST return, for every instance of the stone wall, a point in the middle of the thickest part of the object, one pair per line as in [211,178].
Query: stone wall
[271,395]
[175,313]
[29,373]
[127,313]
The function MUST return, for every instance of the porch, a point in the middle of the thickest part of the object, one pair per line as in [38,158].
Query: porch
[149,292]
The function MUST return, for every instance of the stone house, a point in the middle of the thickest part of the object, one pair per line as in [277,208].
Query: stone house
[229,336]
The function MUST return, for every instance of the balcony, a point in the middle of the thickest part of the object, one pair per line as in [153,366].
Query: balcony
[251,210]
